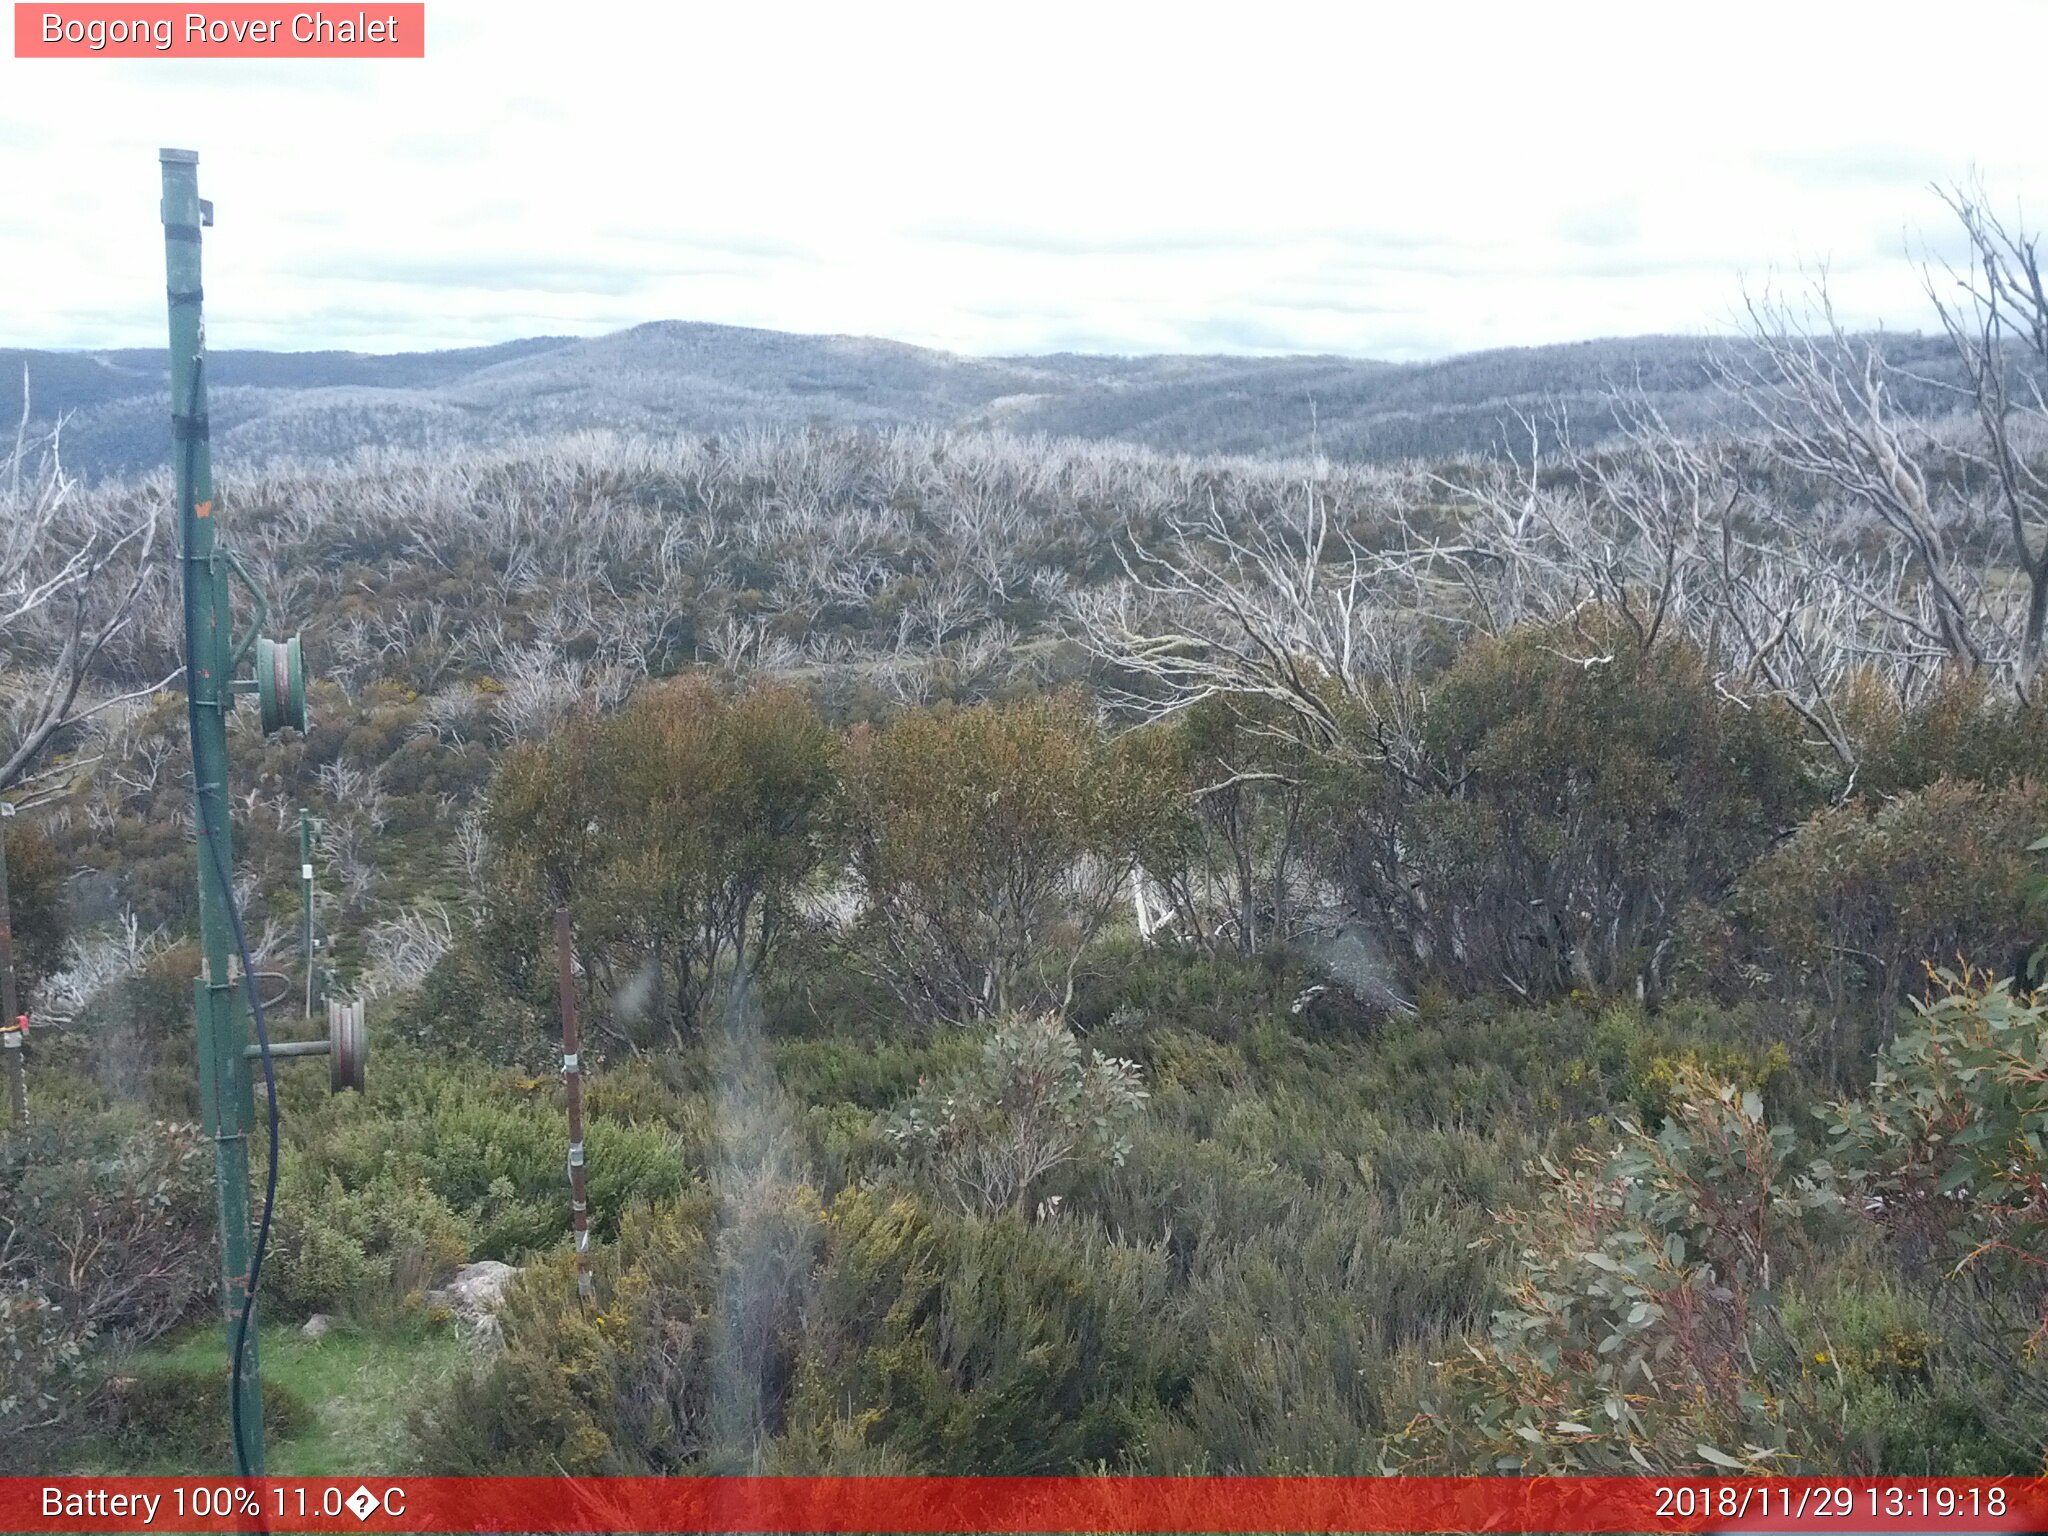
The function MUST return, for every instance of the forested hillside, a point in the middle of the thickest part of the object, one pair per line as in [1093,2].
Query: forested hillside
[708,378]
[1090,957]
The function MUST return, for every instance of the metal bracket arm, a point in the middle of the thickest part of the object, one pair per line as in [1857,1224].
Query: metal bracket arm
[242,646]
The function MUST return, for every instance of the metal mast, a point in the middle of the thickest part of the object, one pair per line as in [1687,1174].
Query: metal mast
[226,1097]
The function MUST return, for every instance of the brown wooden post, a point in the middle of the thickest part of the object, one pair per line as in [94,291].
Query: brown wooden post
[572,1080]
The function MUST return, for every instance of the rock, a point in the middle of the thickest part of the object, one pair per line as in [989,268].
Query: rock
[480,1285]
[318,1326]
[472,1296]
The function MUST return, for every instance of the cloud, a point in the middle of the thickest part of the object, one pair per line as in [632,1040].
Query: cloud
[1252,333]
[503,274]
[757,249]
[1602,225]
[1890,164]
[1173,241]
[1368,180]
[1040,241]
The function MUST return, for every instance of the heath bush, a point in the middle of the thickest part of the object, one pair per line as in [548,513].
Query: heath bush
[1572,789]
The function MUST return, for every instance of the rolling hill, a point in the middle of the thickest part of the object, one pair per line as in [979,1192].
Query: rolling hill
[675,376]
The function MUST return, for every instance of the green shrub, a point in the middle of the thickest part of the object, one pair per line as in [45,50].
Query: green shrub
[1648,1059]
[110,1217]
[1628,1340]
[137,1038]
[636,1091]
[1222,996]
[105,1230]
[363,1249]
[1302,1289]
[871,1074]
[993,1347]
[39,908]
[992,844]
[44,1348]
[870,1333]
[625,1386]
[1573,790]
[1029,1103]
[1959,731]
[771,1234]
[491,1148]
[1225,838]
[678,831]
[472,1005]
[1853,909]
[1904,1389]
[179,1414]
[1949,1141]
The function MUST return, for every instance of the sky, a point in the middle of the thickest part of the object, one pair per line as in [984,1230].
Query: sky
[1373,178]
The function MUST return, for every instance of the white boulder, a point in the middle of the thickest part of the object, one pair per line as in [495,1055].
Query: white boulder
[474,1293]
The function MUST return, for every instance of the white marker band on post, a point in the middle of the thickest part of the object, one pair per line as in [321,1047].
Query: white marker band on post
[572,1061]
[575,1154]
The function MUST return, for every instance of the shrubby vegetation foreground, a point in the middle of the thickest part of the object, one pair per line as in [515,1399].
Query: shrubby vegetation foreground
[1092,959]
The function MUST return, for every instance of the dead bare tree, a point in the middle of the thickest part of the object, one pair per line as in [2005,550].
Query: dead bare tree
[1827,403]
[1993,310]
[403,950]
[1623,528]
[1286,608]
[1665,532]
[1962,503]
[71,573]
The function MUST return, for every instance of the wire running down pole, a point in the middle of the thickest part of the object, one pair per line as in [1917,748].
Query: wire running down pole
[572,1081]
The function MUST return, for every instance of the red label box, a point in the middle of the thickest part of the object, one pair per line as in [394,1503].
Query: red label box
[225,31]
[1141,1506]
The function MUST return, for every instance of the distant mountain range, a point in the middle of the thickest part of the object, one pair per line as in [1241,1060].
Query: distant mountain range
[679,376]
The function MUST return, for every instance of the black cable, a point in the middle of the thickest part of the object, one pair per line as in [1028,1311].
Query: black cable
[238,1353]
[270,1174]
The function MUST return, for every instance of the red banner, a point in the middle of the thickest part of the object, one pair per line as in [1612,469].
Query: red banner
[1024,1504]
[224,31]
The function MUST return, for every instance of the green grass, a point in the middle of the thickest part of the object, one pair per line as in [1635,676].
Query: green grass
[358,1386]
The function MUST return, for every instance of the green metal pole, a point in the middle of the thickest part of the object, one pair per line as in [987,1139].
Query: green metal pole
[306,883]
[226,1098]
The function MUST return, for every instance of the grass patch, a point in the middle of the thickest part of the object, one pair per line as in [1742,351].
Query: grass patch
[356,1386]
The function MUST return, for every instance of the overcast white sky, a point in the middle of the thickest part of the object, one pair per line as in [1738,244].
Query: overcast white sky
[1395,180]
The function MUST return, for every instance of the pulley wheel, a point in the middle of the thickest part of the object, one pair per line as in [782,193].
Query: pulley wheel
[280,685]
[348,1047]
